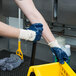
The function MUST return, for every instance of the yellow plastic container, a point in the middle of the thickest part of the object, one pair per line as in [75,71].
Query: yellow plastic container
[52,69]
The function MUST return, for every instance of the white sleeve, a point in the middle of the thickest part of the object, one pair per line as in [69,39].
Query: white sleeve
[27,34]
[54,44]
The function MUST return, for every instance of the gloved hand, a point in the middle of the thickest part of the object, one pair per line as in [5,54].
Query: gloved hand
[38,28]
[33,33]
[60,54]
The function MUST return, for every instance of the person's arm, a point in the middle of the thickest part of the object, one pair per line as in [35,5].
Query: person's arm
[34,16]
[33,33]
[8,31]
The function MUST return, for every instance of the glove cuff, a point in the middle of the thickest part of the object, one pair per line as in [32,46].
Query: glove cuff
[54,44]
[27,35]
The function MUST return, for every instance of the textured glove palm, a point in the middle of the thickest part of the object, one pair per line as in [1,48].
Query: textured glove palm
[60,54]
[38,28]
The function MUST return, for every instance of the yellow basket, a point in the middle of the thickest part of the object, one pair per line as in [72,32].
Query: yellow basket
[52,69]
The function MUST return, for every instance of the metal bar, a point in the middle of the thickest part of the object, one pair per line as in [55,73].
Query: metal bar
[19,16]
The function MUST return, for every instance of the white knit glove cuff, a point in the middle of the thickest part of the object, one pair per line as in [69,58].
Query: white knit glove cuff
[54,44]
[27,34]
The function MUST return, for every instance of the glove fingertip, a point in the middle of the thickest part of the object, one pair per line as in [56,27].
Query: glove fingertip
[67,61]
[61,62]
[40,24]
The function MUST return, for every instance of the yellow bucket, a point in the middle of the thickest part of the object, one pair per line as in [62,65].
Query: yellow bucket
[52,69]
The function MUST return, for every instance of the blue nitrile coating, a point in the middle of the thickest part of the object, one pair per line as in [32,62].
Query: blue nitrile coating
[60,54]
[38,28]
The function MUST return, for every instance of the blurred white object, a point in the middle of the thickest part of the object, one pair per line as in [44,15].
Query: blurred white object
[68,50]
[61,41]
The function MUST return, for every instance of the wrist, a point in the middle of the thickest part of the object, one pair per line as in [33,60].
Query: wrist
[54,44]
[27,34]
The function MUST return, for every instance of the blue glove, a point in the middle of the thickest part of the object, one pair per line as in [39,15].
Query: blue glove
[60,54]
[38,28]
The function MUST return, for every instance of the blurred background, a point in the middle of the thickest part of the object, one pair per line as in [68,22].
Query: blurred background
[61,18]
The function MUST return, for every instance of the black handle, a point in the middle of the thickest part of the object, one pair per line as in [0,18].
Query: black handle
[33,54]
